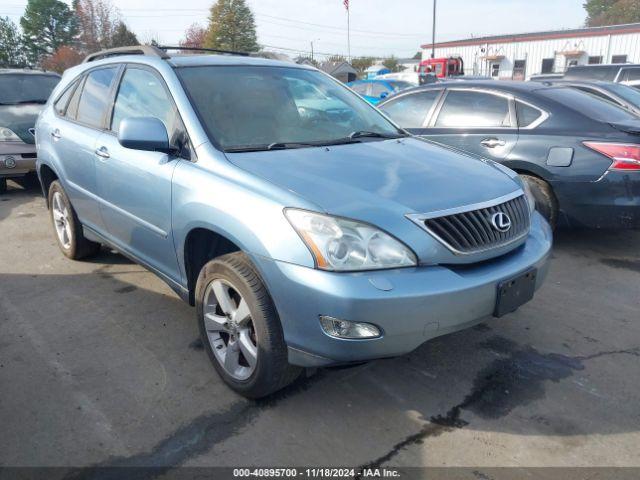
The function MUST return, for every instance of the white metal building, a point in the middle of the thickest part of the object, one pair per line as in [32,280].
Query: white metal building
[519,56]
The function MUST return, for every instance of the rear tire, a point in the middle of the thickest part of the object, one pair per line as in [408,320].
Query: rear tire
[234,307]
[546,201]
[66,226]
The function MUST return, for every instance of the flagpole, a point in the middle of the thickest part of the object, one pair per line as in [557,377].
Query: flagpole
[348,34]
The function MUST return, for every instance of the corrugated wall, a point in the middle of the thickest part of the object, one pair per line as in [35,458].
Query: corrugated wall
[535,51]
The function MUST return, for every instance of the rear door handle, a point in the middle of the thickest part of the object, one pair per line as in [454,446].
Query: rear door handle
[493,142]
[102,152]
[55,134]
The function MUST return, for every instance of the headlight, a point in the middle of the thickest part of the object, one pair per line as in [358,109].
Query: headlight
[341,244]
[7,135]
[531,200]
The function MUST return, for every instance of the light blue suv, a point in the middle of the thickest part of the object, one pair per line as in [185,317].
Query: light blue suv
[305,233]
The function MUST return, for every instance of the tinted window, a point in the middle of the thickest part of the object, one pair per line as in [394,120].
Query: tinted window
[410,111]
[526,114]
[588,105]
[360,88]
[253,107]
[627,93]
[61,103]
[474,109]
[632,74]
[595,73]
[378,89]
[26,88]
[598,94]
[95,96]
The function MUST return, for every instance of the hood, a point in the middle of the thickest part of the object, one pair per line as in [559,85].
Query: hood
[361,180]
[20,118]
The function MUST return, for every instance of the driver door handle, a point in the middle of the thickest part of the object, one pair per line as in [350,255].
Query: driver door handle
[493,142]
[102,152]
[55,134]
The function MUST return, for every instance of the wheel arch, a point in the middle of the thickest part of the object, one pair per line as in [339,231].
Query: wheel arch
[47,175]
[201,245]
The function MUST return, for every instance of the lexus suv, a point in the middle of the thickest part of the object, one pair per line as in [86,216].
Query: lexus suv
[23,93]
[305,233]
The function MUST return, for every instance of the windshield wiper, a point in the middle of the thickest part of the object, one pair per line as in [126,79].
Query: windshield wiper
[364,133]
[270,146]
[39,101]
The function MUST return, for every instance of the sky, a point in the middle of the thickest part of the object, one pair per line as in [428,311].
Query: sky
[378,27]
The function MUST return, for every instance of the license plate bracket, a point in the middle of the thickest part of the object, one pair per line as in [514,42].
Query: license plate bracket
[514,292]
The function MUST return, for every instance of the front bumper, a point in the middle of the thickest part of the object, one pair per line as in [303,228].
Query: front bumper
[613,202]
[17,159]
[410,305]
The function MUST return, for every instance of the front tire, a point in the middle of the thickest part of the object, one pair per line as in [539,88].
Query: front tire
[546,201]
[240,327]
[67,227]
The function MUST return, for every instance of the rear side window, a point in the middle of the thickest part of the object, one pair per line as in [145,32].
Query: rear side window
[95,96]
[474,109]
[410,111]
[588,105]
[527,114]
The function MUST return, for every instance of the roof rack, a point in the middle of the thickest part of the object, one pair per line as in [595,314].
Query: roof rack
[137,50]
[200,49]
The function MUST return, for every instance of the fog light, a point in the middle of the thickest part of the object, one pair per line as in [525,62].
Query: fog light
[346,329]
[9,161]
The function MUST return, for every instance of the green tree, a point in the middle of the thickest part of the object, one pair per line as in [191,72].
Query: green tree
[123,37]
[391,63]
[46,26]
[231,27]
[612,12]
[10,44]
[362,63]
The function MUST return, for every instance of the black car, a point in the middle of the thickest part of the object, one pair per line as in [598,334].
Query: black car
[626,73]
[580,154]
[622,95]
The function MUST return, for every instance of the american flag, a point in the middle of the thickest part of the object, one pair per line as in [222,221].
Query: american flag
[346,4]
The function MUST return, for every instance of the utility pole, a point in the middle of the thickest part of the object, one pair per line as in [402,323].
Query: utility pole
[433,38]
[348,35]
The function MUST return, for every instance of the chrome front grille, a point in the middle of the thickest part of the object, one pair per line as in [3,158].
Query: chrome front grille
[482,228]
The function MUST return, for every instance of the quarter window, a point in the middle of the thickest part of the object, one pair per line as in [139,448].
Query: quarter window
[63,101]
[410,111]
[474,109]
[527,115]
[95,97]
[72,108]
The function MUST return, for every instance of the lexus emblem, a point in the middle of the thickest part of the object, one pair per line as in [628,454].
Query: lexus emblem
[501,222]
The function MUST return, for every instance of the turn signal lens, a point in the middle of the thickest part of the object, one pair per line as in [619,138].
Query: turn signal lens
[625,156]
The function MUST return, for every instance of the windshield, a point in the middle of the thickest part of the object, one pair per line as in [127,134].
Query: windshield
[245,107]
[26,88]
[629,94]
[588,104]
[399,84]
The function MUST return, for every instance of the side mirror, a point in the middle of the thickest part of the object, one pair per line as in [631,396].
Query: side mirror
[143,133]
[384,95]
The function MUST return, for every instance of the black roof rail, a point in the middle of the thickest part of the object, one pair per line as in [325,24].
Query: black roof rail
[136,50]
[200,49]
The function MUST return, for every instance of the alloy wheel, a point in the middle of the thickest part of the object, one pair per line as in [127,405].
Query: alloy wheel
[230,329]
[61,220]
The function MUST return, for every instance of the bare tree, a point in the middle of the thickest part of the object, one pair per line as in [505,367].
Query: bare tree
[194,36]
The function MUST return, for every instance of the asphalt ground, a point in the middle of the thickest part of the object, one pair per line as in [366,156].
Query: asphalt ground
[101,365]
